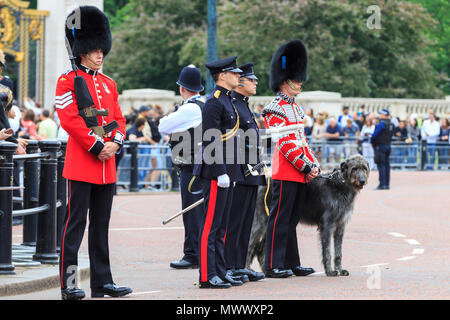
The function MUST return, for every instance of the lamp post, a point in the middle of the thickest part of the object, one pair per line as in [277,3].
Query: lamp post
[211,53]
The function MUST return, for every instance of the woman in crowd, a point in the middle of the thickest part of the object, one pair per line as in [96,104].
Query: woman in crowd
[413,140]
[443,144]
[364,136]
[29,126]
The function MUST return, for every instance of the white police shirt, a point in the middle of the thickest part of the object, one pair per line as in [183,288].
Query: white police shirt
[188,115]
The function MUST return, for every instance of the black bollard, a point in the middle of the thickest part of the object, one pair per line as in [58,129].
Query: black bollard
[134,171]
[46,234]
[7,151]
[61,194]
[30,194]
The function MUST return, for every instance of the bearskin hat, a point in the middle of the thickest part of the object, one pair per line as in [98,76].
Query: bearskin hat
[87,29]
[290,62]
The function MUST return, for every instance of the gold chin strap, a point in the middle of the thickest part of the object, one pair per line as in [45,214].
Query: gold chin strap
[265,197]
[291,85]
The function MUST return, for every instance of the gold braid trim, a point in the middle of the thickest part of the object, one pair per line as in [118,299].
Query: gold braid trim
[265,197]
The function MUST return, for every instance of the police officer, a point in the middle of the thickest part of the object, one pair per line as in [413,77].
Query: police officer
[245,192]
[293,162]
[90,164]
[381,141]
[218,170]
[185,128]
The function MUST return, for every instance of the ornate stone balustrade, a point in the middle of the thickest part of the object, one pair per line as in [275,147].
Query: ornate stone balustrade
[319,101]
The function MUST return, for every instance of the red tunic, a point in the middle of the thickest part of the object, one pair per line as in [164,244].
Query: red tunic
[83,145]
[292,158]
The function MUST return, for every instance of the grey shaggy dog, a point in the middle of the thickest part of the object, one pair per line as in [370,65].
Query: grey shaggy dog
[328,204]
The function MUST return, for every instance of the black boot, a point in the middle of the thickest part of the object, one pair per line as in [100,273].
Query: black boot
[72,294]
[111,290]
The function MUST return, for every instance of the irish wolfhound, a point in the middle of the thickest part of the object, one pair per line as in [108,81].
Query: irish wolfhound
[328,204]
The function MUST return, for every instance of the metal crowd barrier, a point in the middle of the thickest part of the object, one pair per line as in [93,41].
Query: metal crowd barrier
[42,212]
[135,169]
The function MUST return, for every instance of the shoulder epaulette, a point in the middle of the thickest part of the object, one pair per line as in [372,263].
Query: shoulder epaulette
[106,76]
[217,94]
[274,107]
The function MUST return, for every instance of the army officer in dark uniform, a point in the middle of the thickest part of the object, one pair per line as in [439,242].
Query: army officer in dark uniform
[244,193]
[218,172]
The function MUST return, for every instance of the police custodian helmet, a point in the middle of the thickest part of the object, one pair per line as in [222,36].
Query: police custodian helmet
[191,79]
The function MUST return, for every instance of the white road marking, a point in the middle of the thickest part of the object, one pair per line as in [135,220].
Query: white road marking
[146,229]
[418,251]
[412,242]
[397,235]
[145,292]
[375,265]
[406,258]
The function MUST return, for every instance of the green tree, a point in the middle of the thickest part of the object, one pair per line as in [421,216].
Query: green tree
[440,51]
[155,39]
[147,44]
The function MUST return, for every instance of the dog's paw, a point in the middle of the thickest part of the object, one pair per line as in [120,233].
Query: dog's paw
[332,273]
[344,273]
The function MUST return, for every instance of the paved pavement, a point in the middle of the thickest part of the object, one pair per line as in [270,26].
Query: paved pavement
[396,246]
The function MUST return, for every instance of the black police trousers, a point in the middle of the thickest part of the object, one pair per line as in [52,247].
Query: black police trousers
[193,218]
[98,200]
[214,223]
[281,237]
[382,154]
[240,225]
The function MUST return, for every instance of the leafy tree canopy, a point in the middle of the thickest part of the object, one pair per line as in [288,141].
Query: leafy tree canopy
[154,39]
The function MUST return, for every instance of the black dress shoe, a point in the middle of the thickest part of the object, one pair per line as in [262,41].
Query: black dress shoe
[234,281]
[299,271]
[183,264]
[214,283]
[252,275]
[279,273]
[111,290]
[238,276]
[72,294]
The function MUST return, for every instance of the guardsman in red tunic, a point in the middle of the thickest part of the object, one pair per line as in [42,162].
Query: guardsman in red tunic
[293,162]
[95,135]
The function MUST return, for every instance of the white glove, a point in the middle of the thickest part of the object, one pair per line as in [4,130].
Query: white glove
[223,181]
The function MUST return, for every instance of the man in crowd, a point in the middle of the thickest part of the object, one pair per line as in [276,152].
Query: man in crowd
[430,132]
[185,128]
[47,128]
[293,162]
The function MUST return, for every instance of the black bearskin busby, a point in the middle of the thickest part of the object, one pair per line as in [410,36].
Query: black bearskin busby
[290,62]
[87,29]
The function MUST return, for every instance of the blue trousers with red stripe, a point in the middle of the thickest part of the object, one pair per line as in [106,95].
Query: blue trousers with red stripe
[240,225]
[97,199]
[213,228]
[281,237]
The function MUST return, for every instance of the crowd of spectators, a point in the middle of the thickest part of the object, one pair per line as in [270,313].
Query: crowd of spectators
[346,132]
[30,121]
[339,134]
